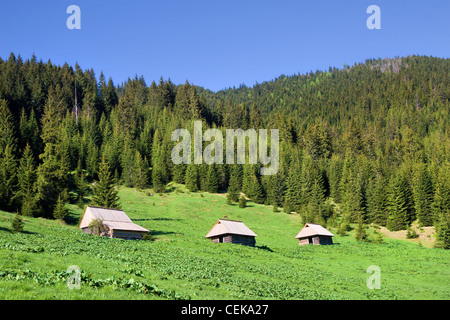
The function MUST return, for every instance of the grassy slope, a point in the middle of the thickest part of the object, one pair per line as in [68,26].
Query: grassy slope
[182,264]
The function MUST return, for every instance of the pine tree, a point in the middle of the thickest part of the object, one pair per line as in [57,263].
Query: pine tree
[128,162]
[80,183]
[179,173]
[317,211]
[140,173]
[441,199]
[443,230]
[157,179]
[423,196]
[294,197]
[8,179]
[256,192]
[17,224]
[399,204]
[26,175]
[126,112]
[277,189]
[212,179]
[192,178]
[377,200]
[247,174]
[335,175]
[7,131]
[233,187]
[52,172]
[159,171]
[360,231]
[104,191]
[352,191]
[256,120]
[242,202]
[60,211]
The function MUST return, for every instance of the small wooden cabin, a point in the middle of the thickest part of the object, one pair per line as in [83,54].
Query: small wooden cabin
[232,231]
[115,223]
[314,234]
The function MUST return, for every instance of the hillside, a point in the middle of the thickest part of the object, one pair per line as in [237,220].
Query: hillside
[181,264]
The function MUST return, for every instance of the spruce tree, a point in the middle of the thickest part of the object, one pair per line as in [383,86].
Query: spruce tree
[352,192]
[192,178]
[441,198]
[26,175]
[242,202]
[399,204]
[104,190]
[294,190]
[317,211]
[7,131]
[140,173]
[277,189]
[159,171]
[52,172]
[212,179]
[8,179]
[60,211]
[256,192]
[17,224]
[80,183]
[179,173]
[360,230]
[377,200]
[443,230]
[233,187]
[423,196]
[128,162]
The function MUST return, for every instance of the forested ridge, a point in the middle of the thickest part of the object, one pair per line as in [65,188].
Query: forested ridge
[363,144]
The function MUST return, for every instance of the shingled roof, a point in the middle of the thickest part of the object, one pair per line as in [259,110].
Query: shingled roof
[312,229]
[113,218]
[224,226]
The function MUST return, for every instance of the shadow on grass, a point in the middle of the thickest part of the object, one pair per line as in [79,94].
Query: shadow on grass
[23,232]
[160,233]
[72,218]
[264,247]
[158,219]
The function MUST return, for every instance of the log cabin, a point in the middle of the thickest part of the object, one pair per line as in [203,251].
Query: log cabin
[314,234]
[232,231]
[115,223]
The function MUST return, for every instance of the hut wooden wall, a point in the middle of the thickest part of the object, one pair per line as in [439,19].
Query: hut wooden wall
[245,240]
[126,234]
[303,241]
[234,238]
[325,240]
[322,240]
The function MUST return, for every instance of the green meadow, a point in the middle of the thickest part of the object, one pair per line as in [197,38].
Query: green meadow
[179,263]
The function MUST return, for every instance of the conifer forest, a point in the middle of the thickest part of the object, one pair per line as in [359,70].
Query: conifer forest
[362,144]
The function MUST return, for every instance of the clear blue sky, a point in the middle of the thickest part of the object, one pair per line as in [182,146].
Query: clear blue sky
[218,44]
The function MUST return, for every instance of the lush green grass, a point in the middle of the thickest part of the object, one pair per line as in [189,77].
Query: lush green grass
[182,264]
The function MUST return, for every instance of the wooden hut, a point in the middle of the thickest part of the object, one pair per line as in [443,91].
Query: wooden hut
[232,231]
[314,234]
[114,223]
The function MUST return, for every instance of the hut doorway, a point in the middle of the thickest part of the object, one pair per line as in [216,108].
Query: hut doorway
[310,240]
[221,239]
